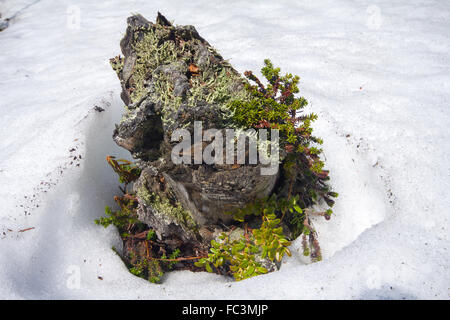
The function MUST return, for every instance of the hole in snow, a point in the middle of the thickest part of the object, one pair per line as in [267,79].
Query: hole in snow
[361,204]
[362,201]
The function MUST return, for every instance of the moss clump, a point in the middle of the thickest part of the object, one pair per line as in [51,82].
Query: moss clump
[149,269]
[152,269]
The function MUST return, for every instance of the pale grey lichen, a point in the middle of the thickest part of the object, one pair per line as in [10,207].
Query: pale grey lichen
[166,211]
[216,83]
[149,55]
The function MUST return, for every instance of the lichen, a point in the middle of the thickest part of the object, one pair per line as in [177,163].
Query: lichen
[127,115]
[117,64]
[216,83]
[216,87]
[150,54]
[163,90]
[162,206]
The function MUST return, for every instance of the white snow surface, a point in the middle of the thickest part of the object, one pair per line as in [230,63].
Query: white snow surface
[376,72]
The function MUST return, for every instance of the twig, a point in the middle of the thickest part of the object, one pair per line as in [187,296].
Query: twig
[23,230]
[146,247]
[179,259]
[289,195]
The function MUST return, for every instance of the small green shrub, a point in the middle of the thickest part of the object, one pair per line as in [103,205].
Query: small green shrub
[243,256]
[146,266]
[275,106]
[123,217]
[271,239]
[125,169]
[239,255]
[285,215]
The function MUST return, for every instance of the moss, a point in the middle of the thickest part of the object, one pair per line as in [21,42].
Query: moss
[155,271]
[149,269]
[163,207]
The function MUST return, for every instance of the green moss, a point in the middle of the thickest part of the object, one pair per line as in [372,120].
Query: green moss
[155,271]
[149,269]
[151,235]
[174,255]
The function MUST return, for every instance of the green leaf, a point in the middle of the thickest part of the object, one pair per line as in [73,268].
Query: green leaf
[250,271]
[261,270]
[240,246]
[215,244]
[288,252]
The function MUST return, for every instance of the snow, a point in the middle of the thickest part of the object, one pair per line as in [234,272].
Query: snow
[376,73]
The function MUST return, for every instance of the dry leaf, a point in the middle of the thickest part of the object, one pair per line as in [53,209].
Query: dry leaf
[193,69]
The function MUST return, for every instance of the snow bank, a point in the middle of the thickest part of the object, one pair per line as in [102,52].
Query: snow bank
[377,75]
